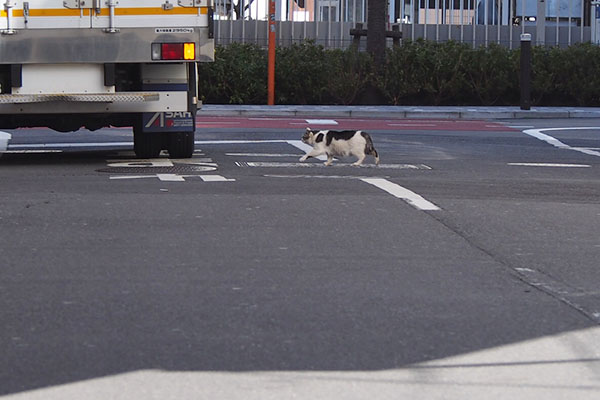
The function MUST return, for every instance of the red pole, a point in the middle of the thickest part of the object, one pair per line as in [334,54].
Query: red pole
[271,61]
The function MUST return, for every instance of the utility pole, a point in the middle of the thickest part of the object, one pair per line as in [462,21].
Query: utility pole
[376,26]
[271,56]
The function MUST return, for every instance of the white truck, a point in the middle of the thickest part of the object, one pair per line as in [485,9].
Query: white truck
[72,64]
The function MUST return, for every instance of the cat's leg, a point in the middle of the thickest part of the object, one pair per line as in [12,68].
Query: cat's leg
[312,153]
[329,159]
[360,160]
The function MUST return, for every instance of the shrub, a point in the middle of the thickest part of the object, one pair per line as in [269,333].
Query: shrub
[417,72]
[301,74]
[492,75]
[238,75]
[349,73]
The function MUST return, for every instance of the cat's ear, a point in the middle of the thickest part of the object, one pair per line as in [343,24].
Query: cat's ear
[308,130]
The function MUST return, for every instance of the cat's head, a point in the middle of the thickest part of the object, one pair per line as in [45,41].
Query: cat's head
[309,136]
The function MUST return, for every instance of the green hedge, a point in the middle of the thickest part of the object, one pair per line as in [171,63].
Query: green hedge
[416,73]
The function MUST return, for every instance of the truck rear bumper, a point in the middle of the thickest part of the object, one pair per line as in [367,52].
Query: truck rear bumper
[119,102]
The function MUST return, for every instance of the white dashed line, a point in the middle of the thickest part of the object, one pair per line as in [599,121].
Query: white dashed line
[403,193]
[260,155]
[266,164]
[550,165]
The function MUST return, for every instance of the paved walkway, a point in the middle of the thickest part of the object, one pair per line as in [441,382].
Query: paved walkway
[445,112]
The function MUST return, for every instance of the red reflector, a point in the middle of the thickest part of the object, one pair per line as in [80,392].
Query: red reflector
[172,51]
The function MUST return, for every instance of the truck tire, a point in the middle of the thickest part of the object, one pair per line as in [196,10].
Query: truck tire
[147,144]
[181,144]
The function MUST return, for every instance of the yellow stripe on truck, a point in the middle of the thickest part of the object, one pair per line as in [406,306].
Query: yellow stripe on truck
[65,12]
[154,11]
[45,12]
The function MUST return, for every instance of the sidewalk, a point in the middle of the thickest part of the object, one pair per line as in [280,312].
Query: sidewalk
[443,112]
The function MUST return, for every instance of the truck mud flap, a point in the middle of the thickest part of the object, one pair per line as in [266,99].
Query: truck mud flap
[168,122]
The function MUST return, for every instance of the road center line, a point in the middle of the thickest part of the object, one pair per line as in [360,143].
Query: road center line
[403,193]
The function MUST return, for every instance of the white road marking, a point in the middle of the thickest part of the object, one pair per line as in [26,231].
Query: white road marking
[175,177]
[70,145]
[321,122]
[317,176]
[215,178]
[537,133]
[170,177]
[403,193]
[266,164]
[136,163]
[200,122]
[551,165]
[30,151]
[299,144]
[241,141]
[260,155]
[411,124]
[4,139]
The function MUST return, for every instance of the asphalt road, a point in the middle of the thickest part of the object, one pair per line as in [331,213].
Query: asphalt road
[465,266]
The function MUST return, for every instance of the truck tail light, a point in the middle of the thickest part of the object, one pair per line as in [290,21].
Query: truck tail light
[173,51]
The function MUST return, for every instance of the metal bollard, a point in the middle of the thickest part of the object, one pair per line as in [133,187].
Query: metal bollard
[525,71]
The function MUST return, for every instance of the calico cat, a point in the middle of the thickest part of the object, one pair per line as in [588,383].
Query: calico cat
[339,143]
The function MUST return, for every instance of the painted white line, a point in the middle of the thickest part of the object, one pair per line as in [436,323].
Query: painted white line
[215,178]
[321,122]
[240,141]
[70,145]
[260,155]
[537,133]
[132,176]
[30,151]
[588,148]
[200,122]
[266,164]
[299,144]
[4,139]
[316,176]
[265,119]
[551,165]
[175,177]
[400,192]
[170,177]
[407,124]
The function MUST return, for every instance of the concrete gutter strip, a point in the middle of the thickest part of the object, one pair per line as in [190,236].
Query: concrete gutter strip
[459,112]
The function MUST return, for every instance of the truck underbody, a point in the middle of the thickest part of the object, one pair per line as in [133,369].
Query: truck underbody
[118,71]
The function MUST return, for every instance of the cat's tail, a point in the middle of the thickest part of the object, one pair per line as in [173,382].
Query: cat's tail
[370,149]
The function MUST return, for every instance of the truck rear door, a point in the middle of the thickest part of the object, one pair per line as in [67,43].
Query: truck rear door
[148,13]
[44,14]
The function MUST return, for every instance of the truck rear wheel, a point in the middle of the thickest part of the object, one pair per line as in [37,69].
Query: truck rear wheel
[147,144]
[181,144]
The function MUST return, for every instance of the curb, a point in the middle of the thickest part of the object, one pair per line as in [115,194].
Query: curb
[471,113]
